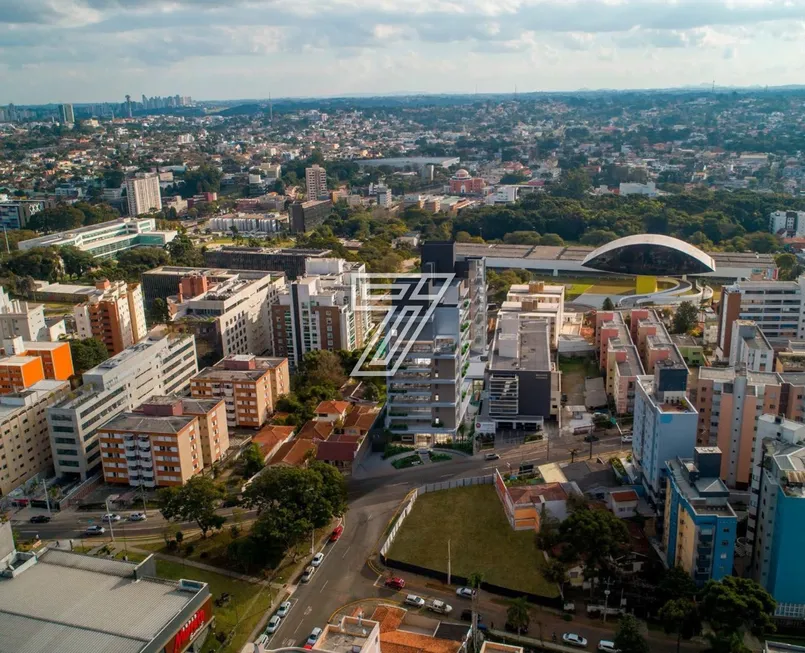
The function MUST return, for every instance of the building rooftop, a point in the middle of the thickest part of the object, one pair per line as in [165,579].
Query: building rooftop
[138,423]
[705,495]
[523,345]
[72,603]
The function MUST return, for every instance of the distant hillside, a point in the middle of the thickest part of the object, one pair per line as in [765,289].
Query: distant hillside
[243,110]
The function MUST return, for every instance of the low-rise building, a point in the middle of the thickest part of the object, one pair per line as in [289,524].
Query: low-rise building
[267,259]
[619,357]
[57,359]
[19,318]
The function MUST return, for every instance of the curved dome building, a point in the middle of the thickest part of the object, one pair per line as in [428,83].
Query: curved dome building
[650,255]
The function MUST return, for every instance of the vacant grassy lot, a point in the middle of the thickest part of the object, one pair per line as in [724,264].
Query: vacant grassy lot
[248,602]
[481,538]
[577,286]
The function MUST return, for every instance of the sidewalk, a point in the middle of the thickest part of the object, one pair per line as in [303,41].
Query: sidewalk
[373,465]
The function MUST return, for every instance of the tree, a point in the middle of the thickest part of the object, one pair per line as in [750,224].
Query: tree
[628,638]
[252,460]
[194,501]
[554,571]
[159,312]
[679,616]
[789,266]
[87,354]
[734,604]
[551,240]
[593,536]
[183,252]
[76,262]
[676,583]
[518,615]
[608,305]
[685,318]
[321,367]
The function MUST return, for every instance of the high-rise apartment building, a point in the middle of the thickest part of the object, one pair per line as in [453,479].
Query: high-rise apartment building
[115,315]
[700,525]
[66,114]
[316,180]
[787,224]
[14,214]
[143,193]
[160,364]
[775,306]
[165,442]
[619,358]
[24,439]
[249,385]
[750,349]
[21,319]
[730,402]
[322,310]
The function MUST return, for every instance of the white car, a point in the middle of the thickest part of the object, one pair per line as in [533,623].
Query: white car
[273,624]
[607,646]
[95,529]
[111,517]
[626,439]
[307,574]
[284,609]
[465,592]
[137,516]
[413,599]
[440,607]
[574,640]
[317,559]
[313,637]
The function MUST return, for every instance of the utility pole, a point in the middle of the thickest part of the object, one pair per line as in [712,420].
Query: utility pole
[45,486]
[5,233]
[448,562]
[606,598]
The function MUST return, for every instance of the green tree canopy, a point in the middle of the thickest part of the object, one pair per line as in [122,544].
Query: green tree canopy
[76,261]
[518,614]
[733,604]
[685,318]
[194,501]
[183,252]
[592,536]
[628,638]
[87,354]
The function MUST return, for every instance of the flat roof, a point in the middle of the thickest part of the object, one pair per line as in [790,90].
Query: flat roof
[534,348]
[139,423]
[72,603]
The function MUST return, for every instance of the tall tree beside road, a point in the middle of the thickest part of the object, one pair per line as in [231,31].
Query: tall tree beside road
[676,583]
[592,536]
[194,501]
[733,604]
[685,318]
[87,354]
[518,615]
[628,638]
[679,616]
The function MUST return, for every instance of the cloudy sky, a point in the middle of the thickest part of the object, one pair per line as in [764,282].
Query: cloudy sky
[98,50]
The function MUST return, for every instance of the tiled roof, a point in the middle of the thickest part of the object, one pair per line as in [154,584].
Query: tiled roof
[624,495]
[338,451]
[293,453]
[269,436]
[315,430]
[332,407]
[537,493]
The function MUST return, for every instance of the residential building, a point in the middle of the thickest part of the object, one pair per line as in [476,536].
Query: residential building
[729,403]
[700,525]
[115,315]
[269,259]
[143,193]
[787,224]
[249,386]
[619,358]
[332,411]
[664,428]
[316,180]
[691,349]
[541,301]
[18,373]
[522,379]
[750,349]
[77,600]
[306,216]
[57,359]
[230,316]
[24,439]
[160,364]
[775,306]
[66,114]
[649,189]
[106,239]
[383,196]
[271,437]
[653,342]
[779,505]
[325,309]
[14,214]
[19,318]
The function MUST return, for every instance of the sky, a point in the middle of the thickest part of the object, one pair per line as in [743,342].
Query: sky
[99,50]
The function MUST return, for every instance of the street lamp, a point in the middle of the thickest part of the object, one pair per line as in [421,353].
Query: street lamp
[112,498]
[606,603]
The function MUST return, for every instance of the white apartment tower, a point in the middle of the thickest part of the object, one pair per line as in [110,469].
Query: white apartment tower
[143,194]
[316,179]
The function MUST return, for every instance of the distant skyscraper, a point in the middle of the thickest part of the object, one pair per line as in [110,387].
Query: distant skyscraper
[316,178]
[143,194]
[67,115]
[128,106]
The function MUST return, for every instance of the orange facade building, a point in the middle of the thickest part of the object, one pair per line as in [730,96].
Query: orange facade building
[20,372]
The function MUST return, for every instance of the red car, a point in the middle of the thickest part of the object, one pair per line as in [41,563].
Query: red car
[395,582]
[336,533]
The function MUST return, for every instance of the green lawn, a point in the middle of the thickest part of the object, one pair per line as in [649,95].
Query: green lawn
[473,520]
[246,607]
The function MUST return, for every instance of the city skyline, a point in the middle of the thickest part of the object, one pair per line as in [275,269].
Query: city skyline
[59,52]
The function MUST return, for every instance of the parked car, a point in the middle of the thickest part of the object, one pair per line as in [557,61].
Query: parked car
[591,438]
[307,574]
[284,609]
[395,583]
[273,624]
[492,456]
[413,599]
[317,559]
[137,516]
[111,517]
[574,640]
[465,592]
[313,638]
[440,607]
[336,533]
[607,646]
[39,519]
[95,529]
[625,439]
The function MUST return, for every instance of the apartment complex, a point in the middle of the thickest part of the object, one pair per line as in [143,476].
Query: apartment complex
[787,224]
[230,316]
[316,180]
[700,525]
[66,114]
[730,402]
[522,380]
[56,358]
[24,441]
[619,358]
[777,514]
[143,194]
[19,318]
[106,239]
[775,306]
[306,216]
[540,301]
[325,309]
[114,314]
[665,425]
[160,364]
[249,385]
[749,348]
[14,214]
[268,259]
